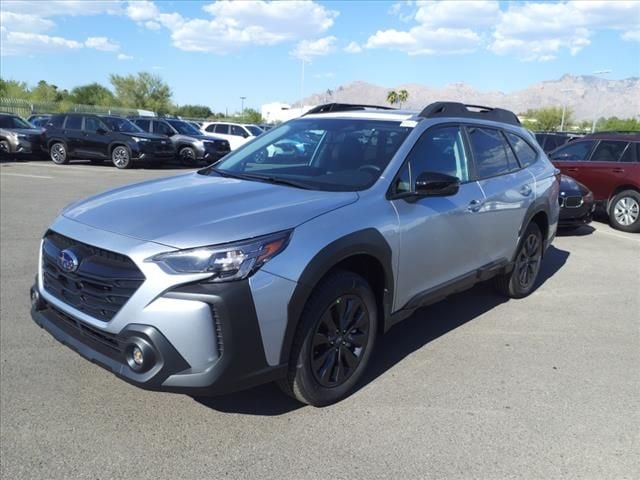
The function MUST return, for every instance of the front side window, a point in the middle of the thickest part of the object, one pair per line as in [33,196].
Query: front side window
[92,124]
[490,152]
[608,151]
[7,121]
[210,128]
[255,131]
[574,151]
[184,127]
[439,150]
[238,131]
[56,121]
[143,124]
[525,152]
[162,129]
[118,124]
[73,123]
[329,154]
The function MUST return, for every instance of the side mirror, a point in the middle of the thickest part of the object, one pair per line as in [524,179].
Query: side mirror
[101,131]
[433,184]
[245,134]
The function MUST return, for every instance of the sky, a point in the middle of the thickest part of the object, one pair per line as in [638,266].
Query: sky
[213,53]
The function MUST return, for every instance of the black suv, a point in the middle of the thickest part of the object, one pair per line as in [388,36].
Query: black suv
[191,145]
[96,138]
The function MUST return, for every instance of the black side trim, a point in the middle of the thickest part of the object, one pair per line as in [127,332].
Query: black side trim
[368,242]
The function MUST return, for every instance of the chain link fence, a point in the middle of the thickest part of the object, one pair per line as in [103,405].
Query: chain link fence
[25,108]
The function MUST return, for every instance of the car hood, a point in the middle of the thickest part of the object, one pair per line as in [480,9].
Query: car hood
[27,131]
[195,210]
[570,186]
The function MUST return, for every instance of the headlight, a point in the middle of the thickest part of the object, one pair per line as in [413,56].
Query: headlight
[139,139]
[232,261]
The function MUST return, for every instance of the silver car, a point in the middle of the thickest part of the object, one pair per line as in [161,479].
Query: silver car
[259,268]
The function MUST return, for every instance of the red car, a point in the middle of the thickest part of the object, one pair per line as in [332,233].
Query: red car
[609,165]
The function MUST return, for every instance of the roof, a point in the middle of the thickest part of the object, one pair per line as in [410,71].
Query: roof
[624,137]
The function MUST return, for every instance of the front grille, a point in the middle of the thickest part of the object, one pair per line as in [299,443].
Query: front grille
[103,282]
[571,202]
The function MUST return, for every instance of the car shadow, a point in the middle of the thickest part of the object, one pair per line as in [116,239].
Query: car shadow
[166,165]
[424,326]
[581,231]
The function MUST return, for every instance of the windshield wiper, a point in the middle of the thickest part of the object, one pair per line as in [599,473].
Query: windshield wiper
[261,178]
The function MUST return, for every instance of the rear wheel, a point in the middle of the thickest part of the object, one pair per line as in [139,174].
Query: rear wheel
[58,153]
[624,212]
[121,157]
[521,280]
[334,341]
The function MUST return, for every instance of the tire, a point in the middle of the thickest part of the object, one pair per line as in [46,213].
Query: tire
[58,153]
[121,157]
[187,157]
[624,211]
[326,362]
[521,281]
[5,148]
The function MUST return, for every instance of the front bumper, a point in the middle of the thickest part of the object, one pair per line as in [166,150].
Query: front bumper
[213,151]
[575,217]
[239,359]
[29,146]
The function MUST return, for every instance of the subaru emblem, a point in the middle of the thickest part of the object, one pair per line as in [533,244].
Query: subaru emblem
[68,261]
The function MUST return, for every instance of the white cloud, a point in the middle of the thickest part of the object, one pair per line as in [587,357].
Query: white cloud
[102,43]
[22,43]
[122,56]
[307,49]
[353,47]
[540,31]
[442,28]
[632,36]
[236,24]
[23,22]
[53,8]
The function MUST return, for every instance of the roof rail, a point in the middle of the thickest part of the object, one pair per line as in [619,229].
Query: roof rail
[456,109]
[342,107]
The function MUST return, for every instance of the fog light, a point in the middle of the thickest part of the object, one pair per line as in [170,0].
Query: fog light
[35,297]
[137,355]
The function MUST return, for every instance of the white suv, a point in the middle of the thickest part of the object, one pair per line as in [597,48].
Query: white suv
[237,134]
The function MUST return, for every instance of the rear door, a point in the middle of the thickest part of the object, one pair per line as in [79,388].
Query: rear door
[508,190]
[605,171]
[73,134]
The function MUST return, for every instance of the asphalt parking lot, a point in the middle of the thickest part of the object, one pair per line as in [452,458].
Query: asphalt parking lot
[472,387]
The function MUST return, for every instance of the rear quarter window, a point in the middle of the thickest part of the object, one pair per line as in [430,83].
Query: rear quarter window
[526,154]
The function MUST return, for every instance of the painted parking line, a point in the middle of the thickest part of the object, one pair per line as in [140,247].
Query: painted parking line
[619,235]
[23,175]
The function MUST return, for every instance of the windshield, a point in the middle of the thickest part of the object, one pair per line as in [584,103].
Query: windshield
[118,124]
[330,154]
[255,131]
[184,127]
[10,122]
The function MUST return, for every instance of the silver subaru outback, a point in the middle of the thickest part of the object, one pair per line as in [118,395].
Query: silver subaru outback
[287,259]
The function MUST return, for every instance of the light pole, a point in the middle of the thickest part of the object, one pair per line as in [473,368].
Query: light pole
[564,107]
[595,119]
[242,108]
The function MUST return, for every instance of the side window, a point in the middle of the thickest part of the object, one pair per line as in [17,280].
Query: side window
[438,150]
[525,152]
[143,124]
[574,151]
[74,122]
[628,155]
[162,128]
[238,131]
[56,121]
[608,151]
[92,124]
[489,152]
[210,128]
[223,129]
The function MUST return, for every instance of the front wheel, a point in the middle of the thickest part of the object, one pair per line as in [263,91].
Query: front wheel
[187,156]
[334,341]
[4,147]
[58,153]
[624,213]
[521,280]
[121,157]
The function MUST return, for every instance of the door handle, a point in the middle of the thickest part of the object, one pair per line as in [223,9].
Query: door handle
[572,169]
[474,206]
[618,170]
[525,190]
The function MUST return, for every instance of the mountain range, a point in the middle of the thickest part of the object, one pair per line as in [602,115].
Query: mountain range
[587,96]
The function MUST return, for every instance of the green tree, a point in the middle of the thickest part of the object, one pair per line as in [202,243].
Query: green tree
[548,119]
[252,116]
[193,111]
[13,89]
[93,94]
[392,97]
[143,90]
[403,96]
[49,93]
[618,124]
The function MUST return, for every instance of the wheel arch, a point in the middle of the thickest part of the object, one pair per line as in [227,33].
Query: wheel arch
[620,189]
[366,253]
[539,214]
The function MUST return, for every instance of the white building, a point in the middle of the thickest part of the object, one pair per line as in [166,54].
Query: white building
[281,112]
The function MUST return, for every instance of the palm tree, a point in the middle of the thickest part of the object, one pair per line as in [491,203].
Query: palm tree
[392,97]
[403,95]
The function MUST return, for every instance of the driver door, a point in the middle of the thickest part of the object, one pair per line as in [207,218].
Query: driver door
[438,235]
